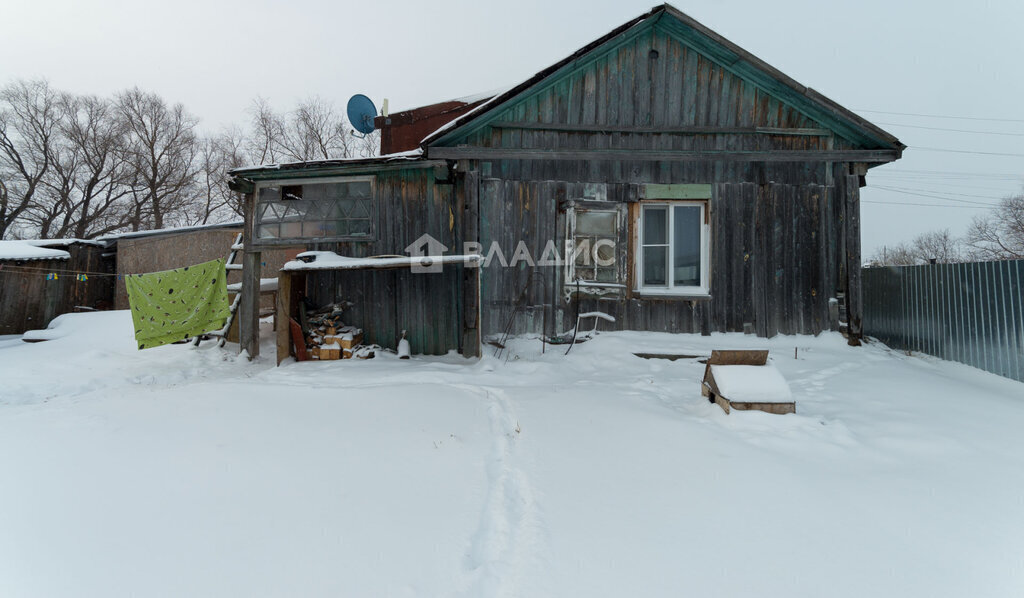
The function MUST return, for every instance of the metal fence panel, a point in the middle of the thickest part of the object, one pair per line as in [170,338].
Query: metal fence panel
[972,313]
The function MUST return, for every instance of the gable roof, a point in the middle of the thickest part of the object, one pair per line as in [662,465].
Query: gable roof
[705,41]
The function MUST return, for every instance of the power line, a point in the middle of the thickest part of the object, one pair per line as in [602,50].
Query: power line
[1001,120]
[1019,175]
[956,151]
[980,203]
[952,130]
[930,205]
[927,181]
[938,192]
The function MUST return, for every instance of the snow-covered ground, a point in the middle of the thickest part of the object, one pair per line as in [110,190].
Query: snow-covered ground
[189,472]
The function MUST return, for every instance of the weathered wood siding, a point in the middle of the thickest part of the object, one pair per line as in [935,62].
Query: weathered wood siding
[428,306]
[776,256]
[29,301]
[627,87]
[779,231]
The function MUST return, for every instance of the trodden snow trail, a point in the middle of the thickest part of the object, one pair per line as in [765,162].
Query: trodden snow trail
[505,551]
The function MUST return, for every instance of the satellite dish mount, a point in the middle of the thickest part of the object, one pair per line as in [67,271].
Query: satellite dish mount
[361,113]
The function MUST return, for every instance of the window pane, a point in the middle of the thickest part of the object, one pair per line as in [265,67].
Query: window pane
[317,210]
[359,189]
[268,231]
[655,265]
[359,228]
[586,274]
[655,226]
[291,230]
[596,223]
[686,245]
[270,194]
[604,252]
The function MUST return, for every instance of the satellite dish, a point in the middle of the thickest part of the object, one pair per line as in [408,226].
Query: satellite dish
[361,112]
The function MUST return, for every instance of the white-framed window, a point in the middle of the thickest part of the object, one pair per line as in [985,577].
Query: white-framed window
[326,209]
[592,256]
[673,252]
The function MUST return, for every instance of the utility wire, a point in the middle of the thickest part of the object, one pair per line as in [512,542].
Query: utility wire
[1001,120]
[938,192]
[952,130]
[956,151]
[925,181]
[965,172]
[980,203]
[930,205]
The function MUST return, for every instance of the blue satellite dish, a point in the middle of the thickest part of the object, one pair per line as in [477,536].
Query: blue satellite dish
[361,112]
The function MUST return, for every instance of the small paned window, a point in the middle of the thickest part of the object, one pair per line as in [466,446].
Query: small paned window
[594,253]
[334,210]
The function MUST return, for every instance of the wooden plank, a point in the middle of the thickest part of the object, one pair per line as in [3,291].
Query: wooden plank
[488,153]
[471,276]
[282,315]
[249,306]
[675,191]
[854,306]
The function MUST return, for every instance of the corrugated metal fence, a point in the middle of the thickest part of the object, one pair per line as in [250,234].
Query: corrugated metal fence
[972,313]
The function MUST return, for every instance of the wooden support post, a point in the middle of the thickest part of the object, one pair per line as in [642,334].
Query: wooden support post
[471,273]
[282,311]
[291,289]
[854,305]
[249,306]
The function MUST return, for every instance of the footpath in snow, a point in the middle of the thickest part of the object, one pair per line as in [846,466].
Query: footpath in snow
[180,471]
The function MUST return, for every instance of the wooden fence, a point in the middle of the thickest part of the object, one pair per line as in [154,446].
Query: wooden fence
[972,313]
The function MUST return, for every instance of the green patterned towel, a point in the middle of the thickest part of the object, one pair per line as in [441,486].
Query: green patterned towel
[177,304]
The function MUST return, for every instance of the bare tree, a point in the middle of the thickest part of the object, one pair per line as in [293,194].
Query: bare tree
[268,130]
[214,201]
[30,113]
[162,150]
[939,246]
[314,130]
[894,255]
[998,235]
[84,194]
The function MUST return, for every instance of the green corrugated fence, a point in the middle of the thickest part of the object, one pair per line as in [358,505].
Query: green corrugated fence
[972,312]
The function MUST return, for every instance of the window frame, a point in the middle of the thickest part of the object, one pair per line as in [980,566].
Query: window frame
[294,241]
[570,261]
[670,289]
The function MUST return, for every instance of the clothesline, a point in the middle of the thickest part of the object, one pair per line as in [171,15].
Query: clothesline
[30,270]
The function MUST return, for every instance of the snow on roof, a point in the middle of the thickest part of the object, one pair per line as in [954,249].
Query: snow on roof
[460,119]
[27,250]
[413,154]
[328,260]
[171,230]
[751,383]
[65,242]
[467,99]
[483,95]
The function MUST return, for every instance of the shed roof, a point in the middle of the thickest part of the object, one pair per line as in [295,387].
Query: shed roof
[325,167]
[730,56]
[27,250]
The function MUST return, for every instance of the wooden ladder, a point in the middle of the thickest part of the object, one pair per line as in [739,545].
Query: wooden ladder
[229,265]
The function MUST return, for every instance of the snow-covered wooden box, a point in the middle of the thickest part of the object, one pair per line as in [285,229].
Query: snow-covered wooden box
[744,380]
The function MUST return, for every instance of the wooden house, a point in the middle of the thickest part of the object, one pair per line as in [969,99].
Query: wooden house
[44,278]
[710,192]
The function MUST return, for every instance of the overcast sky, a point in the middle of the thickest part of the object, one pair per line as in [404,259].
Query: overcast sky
[943,58]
